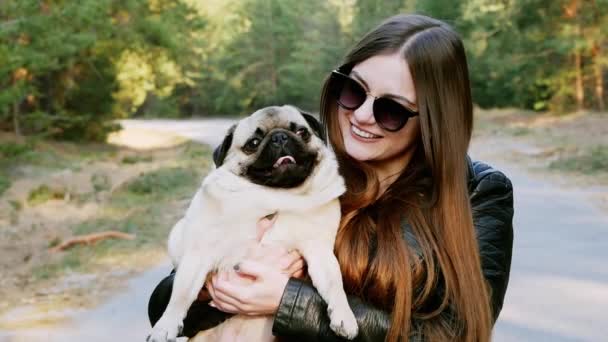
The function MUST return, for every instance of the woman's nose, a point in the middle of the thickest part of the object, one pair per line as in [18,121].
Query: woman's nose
[365,113]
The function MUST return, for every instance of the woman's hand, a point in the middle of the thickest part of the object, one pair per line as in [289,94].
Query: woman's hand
[262,226]
[261,297]
[256,285]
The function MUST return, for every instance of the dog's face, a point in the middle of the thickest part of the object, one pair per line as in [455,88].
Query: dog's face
[275,146]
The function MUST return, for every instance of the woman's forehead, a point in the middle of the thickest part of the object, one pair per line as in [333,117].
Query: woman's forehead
[386,74]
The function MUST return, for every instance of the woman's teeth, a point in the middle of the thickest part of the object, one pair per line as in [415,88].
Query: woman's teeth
[363,134]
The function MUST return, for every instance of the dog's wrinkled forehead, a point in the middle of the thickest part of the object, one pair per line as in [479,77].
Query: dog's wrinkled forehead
[267,119]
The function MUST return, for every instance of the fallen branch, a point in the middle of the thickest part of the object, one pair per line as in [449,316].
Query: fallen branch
[91,239]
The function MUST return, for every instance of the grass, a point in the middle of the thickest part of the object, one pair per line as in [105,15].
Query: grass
[162,181]
[136,159]
[589,161]
[44,156]
[100,182]
[146,206]
[519,131]
[70,261]
[14,150]
[5,183]
[44,193]
[10,154]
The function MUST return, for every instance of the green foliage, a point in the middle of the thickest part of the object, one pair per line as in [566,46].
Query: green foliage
[161,181]
[100,182]
[14,150]
[71,261]
[68,68]
[590,161]
[272,52]
[15,205]
[369,13]
[522,52]
[136,159]
[60,60]
[44,193]
[5,183]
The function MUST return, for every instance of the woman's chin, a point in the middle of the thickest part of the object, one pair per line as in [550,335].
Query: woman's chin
[359,154]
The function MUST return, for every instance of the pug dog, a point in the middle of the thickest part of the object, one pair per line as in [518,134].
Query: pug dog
[273,161]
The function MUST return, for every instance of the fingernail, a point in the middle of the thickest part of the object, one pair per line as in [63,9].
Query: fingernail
[236,267]
[212,304]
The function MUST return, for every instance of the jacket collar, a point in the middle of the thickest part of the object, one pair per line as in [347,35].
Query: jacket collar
[470,174]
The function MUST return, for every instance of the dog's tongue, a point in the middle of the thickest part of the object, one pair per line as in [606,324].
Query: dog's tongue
[284,160]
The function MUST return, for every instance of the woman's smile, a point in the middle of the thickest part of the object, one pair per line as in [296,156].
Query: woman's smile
[363,135]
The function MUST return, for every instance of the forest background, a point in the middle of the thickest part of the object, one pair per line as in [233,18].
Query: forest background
[69,68]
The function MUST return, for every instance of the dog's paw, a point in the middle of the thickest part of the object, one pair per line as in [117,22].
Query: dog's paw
[343,322]
[165,331]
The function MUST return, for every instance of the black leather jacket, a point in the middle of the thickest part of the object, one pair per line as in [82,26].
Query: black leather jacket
[302,313]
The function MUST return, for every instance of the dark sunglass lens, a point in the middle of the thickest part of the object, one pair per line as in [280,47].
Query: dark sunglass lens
[389,114]
[352,95]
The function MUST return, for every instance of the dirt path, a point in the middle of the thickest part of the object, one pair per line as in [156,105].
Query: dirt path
[559,279]
[124,316]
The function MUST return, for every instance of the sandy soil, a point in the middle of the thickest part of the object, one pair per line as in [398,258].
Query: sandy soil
[535,141]
[27,231]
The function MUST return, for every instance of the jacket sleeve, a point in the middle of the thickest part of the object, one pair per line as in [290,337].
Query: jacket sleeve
[302,317]
[200,315]
[492,207]
[302,311]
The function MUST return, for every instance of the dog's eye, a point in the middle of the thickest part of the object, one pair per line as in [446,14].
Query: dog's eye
[252,144]
[303,132]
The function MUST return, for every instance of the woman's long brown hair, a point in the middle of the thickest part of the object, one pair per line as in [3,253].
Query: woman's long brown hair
[430,194]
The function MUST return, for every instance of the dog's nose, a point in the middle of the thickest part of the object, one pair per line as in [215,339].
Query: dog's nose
[279,138]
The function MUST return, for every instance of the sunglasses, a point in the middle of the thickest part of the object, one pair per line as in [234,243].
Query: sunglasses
[389,114]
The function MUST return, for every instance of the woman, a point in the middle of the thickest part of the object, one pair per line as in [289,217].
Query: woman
[426,235]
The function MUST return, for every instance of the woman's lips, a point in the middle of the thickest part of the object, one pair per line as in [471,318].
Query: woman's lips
[363,135]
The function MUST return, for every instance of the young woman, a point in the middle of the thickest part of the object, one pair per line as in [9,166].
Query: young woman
[426,235]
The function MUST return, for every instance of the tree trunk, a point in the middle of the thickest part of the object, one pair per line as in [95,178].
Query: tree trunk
[599,77]
[570,11]
[580,90]
[596,53]
[16,125]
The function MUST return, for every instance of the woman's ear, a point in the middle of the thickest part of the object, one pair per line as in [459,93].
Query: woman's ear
[219,154]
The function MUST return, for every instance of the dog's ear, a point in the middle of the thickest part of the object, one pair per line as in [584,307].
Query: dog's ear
[315,125]
[219,154]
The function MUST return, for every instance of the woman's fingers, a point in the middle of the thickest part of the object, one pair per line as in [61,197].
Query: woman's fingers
[223,300]
[224,307]
[301,274]
[264,224]
[251,269]
[211,290]
[297,270]
[297,266]
[291,260]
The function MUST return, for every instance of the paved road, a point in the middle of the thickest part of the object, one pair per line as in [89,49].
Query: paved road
[123,318]
[559,275]
[559,279]
[208,131]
